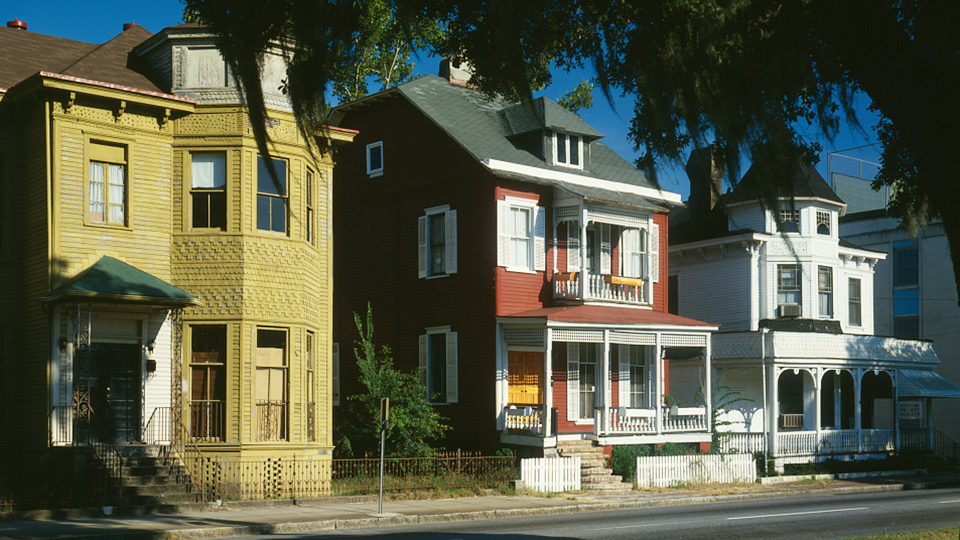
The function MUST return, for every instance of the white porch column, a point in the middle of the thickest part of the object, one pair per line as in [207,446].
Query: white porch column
[818,406]
[708,403]
[658,370]
[775,409]
[583,278]
[605,398]
[548,385]
[857,409]
[896,411]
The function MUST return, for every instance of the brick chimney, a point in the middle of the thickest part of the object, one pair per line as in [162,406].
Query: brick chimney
[706,181]
[456,74]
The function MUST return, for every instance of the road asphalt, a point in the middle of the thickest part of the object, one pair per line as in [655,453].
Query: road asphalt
[302,516]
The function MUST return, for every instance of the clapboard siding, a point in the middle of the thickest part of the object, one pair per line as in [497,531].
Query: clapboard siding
[717,292]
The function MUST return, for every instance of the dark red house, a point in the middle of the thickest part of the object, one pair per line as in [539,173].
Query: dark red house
[520,263]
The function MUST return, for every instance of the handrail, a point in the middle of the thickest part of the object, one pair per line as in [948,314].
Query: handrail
[192,459]
[104,450]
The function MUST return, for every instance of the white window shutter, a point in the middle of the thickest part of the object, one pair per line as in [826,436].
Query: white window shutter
[450,221]
[452,393]
[606,249]
[573,246]
[423,223]
[573,381]
[503,229]
[424,351]
[540,239]
[654,252]
[624,387]
[335,375]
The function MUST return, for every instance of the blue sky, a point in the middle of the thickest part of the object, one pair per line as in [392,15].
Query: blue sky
[97,21]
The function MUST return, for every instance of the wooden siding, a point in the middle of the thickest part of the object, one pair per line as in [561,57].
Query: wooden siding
[523,291]
[751,217]
[660,288]
[717,292]
[376,261]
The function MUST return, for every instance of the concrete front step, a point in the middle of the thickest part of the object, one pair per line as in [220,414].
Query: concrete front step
[607,488]
[602,479]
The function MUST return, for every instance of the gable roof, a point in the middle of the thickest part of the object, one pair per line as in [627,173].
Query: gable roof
[113,281]
[487,128]
[24,54]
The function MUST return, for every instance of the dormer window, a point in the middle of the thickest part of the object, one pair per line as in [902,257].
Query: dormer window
[567,150]
[823,222]
[789,221]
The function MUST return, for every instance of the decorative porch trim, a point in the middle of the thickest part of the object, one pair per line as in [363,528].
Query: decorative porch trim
[524,336]
[683,340]
[578,336]
[632,338]
[624,218]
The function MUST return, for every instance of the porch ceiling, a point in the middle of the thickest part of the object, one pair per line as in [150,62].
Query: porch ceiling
[608,315]
[923,383]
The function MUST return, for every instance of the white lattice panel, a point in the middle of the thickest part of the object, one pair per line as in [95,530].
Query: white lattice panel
[683,340]
[632,338]
[617,217]
[578,336]
[567,213]
[523,336]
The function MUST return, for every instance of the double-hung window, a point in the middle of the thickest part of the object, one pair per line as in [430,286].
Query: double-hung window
[271,196]
[437,242]
[438,365]
[272,365]
[375,159]
[788,290]
[208,195]
[634,376]
[208,382]
[107,184]
[825,290]
[311,217]
[854,299]
[567,150]
[582,363]
[521,242]
[906,289]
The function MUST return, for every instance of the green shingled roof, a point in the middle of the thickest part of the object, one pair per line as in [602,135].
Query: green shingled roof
[112,281]
[484,127]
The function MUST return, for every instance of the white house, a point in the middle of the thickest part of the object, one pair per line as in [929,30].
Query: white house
[796,360]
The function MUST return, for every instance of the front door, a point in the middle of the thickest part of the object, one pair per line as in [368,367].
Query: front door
[110,378]
[525,377]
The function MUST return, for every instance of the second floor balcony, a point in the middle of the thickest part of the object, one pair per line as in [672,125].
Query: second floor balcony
[584,286]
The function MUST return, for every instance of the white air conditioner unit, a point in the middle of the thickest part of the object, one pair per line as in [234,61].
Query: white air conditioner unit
[789,310]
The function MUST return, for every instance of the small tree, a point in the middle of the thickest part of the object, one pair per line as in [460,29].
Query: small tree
[414,424]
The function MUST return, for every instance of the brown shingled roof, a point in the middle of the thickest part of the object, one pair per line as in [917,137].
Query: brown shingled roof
[24,54]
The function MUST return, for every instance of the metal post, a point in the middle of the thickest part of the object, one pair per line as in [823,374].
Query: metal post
[384,419]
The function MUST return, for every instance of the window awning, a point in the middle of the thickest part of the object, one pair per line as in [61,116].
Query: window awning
[116,282]
[927,384]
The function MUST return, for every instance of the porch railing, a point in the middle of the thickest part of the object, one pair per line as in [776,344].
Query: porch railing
[598,287]
[271,420]
[627,420]
[523,418]
[158,429]
[207,420]
[740,443]
[847,441]
[684,418]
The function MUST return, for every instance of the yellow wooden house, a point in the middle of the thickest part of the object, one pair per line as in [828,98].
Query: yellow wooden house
[158,287]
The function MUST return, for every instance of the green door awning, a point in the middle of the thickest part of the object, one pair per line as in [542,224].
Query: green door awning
[116,282]
[927,384]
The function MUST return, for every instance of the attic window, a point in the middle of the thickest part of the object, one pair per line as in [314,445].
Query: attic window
[789,221]
[567,150]
[823,222]
[375,158]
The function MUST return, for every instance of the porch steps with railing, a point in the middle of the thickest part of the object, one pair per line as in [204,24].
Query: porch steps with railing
[595,474]
[152,484]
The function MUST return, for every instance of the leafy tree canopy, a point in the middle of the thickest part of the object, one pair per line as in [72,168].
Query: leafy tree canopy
[414,424]
[578,99]
[745,75]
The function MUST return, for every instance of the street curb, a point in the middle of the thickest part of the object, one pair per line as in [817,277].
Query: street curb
[393,521]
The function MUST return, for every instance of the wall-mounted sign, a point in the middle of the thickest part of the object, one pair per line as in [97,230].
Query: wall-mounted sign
[910,410]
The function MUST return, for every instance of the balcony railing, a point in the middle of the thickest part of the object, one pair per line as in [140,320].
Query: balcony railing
[525,419]
[207,420]
[271,420]
[567,286]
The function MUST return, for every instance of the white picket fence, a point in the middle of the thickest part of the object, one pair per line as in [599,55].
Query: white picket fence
[666,471]
[552,474]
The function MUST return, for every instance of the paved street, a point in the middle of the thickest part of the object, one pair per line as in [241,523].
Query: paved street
[825,517]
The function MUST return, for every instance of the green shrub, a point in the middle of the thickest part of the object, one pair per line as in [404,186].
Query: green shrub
[623,460]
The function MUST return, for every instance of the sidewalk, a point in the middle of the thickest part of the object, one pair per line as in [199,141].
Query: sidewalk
[323,515]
